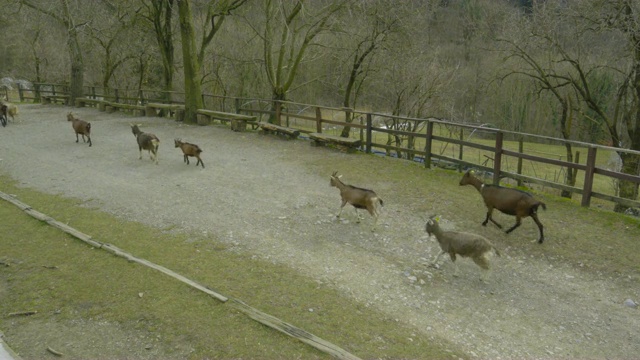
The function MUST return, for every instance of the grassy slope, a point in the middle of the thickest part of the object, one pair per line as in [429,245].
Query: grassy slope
[94,286]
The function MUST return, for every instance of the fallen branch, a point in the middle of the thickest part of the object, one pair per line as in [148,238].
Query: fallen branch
[54,352]
[23,313]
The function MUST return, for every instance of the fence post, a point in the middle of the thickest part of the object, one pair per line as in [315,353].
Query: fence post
[37,95]
[461,151]
[20,94]
[497,158]
[520,150]
[236,103]
[368,139]
[588,176]
[427,146]
[318,120]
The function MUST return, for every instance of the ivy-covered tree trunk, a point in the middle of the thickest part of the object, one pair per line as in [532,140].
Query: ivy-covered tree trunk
[193,89]
[628,189]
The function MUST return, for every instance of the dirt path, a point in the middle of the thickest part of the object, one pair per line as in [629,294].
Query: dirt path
[271,198]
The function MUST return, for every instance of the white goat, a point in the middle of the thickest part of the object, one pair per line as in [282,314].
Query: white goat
[461,243]
[358,197]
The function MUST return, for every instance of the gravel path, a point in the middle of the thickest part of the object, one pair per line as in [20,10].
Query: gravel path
[264,196]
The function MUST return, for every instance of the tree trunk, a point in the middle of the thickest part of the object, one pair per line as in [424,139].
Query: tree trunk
[628,189]
[193,89]
[76,59]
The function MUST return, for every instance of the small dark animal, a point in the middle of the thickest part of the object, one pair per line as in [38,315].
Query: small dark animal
[81,127]
[146,141]
[3,115]
[189,150]
[509,201]
[358,197]
[464,244]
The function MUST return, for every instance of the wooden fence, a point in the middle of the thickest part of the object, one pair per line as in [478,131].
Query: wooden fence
[434,142]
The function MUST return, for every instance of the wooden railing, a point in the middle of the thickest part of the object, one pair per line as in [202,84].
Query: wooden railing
[419,139]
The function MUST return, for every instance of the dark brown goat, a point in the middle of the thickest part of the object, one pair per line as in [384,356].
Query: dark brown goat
[358,197]
[146,141]
[509,201]
[81,127]
[189,150]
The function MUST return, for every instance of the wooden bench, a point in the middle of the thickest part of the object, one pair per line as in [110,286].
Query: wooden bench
[347,144]
[97,103]
[238,121]
[268,128]
[54,99]
[138,110]
[176,109]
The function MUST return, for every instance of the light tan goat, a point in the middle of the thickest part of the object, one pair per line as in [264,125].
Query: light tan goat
[464,244]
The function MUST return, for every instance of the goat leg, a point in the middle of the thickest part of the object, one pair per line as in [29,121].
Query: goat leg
[434,263]
[341,207]
[486,220]
[77,137]
[518,222]
[540,227]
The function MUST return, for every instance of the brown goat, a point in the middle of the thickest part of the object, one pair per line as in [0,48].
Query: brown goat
[80,127]
[509,201]
[146,141]
[464,244]
[358,197]
[189,150]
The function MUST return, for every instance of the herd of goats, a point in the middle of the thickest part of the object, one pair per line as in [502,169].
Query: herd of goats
[507,200]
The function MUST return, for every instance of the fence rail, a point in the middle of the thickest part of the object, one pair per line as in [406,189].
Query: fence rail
[425,140]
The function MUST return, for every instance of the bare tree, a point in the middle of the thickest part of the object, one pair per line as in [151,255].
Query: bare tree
[64,15]
[380,24]
[287,32]
[159,13]
[110,33]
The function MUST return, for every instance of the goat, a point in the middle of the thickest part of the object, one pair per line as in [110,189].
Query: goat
[358,197]
[80,127]
[464,244]
[12,109]
[509,201]
[146,141]
[3,114]
[189,150]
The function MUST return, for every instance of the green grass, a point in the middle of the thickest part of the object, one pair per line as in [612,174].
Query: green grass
[66,281]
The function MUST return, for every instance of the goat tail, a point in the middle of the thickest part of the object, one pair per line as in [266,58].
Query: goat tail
[88,128]
[497,251]
[544,206]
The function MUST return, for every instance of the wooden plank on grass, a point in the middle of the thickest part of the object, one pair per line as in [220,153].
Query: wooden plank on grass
[293,331]
[119,252]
